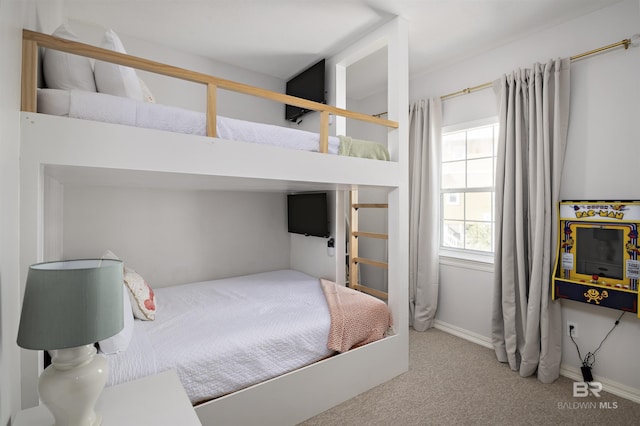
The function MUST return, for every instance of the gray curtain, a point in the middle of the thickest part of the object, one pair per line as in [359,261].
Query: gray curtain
[425,123]
[534,117]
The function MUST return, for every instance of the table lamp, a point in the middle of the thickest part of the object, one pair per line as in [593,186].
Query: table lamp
[68,306]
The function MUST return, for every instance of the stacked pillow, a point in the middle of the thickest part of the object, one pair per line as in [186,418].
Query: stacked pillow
[143,301]
[68,72]
[115,79]
[138,302]
[120,342]
[141,296]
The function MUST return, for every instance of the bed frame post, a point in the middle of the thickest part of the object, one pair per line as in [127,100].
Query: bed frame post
[354,279]
[211,109]
[324,132]
[29,75]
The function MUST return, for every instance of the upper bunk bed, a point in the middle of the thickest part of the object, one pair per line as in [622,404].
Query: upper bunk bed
[57,150]
[220,141]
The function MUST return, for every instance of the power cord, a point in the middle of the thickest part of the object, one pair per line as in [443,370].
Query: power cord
[590,357]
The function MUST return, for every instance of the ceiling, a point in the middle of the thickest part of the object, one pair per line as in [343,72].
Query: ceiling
[282,37]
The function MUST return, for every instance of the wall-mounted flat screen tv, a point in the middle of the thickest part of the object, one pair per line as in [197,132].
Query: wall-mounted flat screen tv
[309,84]
[307,214]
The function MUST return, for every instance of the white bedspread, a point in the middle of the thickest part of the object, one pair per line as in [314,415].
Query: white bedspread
[126,111]
[228,334]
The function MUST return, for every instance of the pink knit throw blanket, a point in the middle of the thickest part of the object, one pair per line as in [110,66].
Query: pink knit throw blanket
[356,318]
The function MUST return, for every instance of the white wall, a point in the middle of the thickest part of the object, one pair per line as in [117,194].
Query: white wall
[601,162]
[174,237]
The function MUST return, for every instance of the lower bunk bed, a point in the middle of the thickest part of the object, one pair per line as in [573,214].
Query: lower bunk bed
[225,335]
[57,156]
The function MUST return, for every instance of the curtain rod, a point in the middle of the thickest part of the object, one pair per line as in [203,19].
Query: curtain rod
[626,43]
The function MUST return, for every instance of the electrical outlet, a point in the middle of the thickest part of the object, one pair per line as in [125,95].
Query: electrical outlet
[572,329]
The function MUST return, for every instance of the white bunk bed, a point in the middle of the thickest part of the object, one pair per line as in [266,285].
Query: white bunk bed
[58,151]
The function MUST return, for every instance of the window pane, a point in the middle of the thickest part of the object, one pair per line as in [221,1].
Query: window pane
[453,234]
[453,174]
[453,146]
[478,236]
[453,205]
[480,142]
[480,173]
[479,206]
[468,167]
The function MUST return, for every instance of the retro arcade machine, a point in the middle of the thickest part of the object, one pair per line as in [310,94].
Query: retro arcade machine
[597,259]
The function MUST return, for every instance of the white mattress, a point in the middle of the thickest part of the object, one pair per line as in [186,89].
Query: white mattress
[120,110]
[224,335]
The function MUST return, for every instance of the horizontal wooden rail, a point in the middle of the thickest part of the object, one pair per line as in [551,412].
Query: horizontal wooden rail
[370,206]
[32,40]
[371,235]
[371,291]
[366,261]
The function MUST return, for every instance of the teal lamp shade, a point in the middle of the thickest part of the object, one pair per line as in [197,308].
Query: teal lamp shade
[71,303]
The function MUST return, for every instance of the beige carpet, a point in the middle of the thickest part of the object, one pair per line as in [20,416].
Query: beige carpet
[455,382]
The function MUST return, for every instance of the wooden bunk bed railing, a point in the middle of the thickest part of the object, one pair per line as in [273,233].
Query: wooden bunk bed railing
[32,41]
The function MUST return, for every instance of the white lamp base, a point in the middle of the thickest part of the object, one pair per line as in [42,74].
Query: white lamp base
[72,384]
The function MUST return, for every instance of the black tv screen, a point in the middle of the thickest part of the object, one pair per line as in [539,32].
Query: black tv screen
[600,251]
[307,214]
[309,84]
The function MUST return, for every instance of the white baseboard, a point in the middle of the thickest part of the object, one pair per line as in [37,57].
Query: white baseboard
[568,371]
[464,334]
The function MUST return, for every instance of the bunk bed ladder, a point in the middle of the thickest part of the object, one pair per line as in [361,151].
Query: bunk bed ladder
[354,234]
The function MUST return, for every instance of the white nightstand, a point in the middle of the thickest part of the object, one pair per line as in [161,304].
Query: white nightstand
[154,400]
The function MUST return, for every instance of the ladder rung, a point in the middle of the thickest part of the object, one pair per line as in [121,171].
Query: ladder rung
[371,291]
[370,235]
[370,206]
[370,262]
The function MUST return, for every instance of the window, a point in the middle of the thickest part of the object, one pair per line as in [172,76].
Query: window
[467,189]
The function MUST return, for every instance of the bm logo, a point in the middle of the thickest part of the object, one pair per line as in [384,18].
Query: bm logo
[582,389]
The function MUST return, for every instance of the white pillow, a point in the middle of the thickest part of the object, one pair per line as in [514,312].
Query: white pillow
[66,71]
[115,79]
[143,301]
[108,254]
[120,342]
[146,93]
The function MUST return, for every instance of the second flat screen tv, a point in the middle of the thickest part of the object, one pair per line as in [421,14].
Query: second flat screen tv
[309,84]
[307,214]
